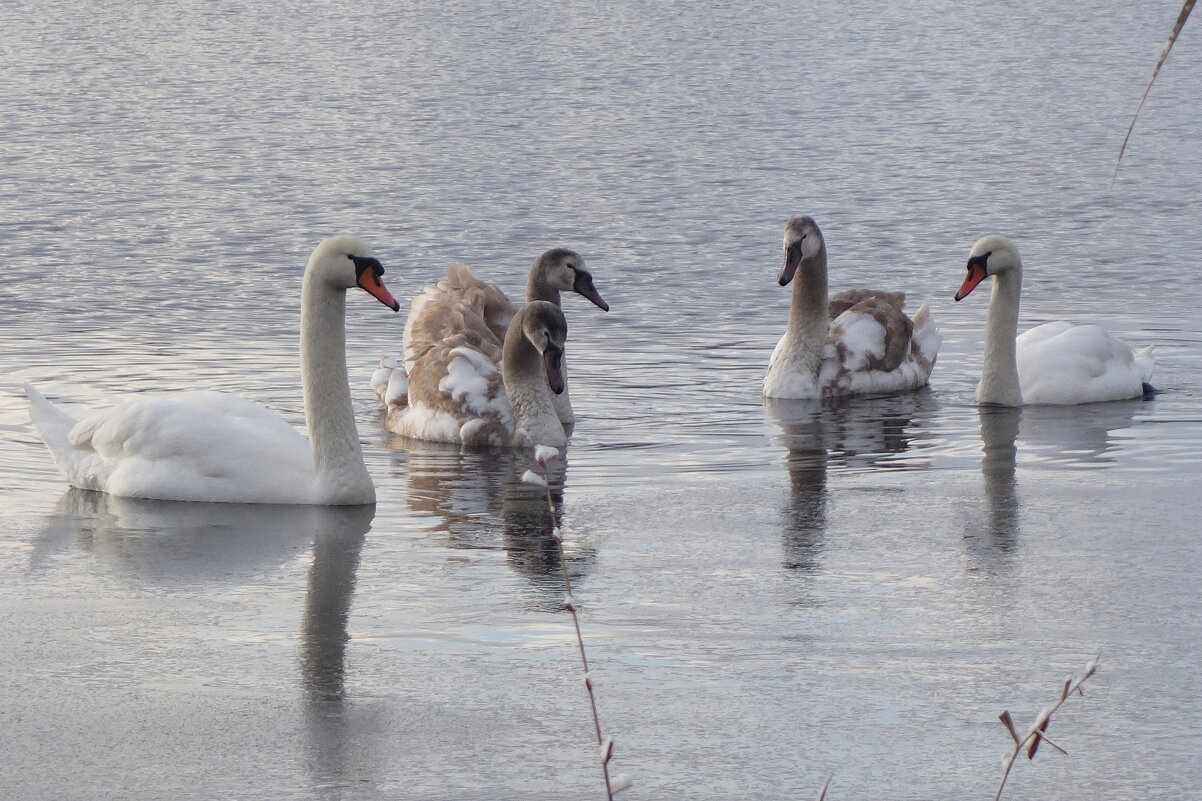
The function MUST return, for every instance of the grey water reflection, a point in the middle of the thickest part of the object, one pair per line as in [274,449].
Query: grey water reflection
[1080,437]
[478,501]
[331,730]
[170,543]
[999,534]
[820,435]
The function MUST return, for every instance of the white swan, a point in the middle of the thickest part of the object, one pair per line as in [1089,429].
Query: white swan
[463,309]
[1054,363]
[212,446]
[870,346]
[456,393]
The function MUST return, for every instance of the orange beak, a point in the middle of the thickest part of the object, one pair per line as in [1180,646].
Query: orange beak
[370,281]
[976,274]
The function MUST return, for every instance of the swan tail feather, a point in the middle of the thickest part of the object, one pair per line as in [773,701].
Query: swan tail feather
[1144,360]
[390,382]
[52,422]
[926,339]
[77,462]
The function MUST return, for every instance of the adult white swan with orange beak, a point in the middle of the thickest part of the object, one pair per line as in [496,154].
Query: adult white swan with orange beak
[1054,363]
[214,446]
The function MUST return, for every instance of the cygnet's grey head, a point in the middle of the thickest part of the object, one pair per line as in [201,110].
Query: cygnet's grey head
[990,255]
[564,270]
[543,324]
[803,241]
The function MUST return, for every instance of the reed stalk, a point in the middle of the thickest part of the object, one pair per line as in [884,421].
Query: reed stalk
[544,455]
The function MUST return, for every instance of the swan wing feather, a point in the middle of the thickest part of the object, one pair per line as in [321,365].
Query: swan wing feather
[185,446]
[1068,363]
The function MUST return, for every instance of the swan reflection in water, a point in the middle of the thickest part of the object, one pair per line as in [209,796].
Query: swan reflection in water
[1073,436]
[478,500]
[174,543]
[864,433]
[168,543]
[340,734]
[998,533]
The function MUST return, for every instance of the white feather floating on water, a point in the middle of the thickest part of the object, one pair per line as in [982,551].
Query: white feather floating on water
[544,454]
[531,477]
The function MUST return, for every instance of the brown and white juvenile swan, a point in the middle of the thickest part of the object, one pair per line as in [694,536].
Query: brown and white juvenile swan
[456,393]
[857,342]
[1054,363]
[214,446]
[463,311]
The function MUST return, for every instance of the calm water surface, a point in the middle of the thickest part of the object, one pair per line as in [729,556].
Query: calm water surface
[771,594]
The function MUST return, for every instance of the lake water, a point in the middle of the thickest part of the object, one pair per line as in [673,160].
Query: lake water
[770,596]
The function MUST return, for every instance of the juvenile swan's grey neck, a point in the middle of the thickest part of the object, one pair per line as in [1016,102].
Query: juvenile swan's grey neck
[999,373]
[808,326]
[530,398]
[342,476]
[538,286]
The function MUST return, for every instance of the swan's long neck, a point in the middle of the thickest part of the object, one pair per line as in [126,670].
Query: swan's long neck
[525,375]
[342,476]
[538,287]
[999,374]
[808,326]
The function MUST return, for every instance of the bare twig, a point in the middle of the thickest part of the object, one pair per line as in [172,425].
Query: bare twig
[1038,731]
[544,455]
[1186,7]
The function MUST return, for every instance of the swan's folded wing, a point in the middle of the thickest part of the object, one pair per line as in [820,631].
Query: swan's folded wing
[872,335]
[190,446]
[455,394]
[459,305]
[870,349]
[1066,363]
[842,301]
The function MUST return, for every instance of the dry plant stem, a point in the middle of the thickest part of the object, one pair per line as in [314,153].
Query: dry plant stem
[1036,735]
[570,605]
[1186,7]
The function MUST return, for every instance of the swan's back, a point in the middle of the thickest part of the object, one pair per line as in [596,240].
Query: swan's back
[450,388]
[844,300]
[1068,363]
[460,303]
[874,347]
[184,446]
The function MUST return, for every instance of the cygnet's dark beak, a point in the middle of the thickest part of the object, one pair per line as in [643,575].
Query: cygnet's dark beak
[792,261]
[584,285]
[553,359]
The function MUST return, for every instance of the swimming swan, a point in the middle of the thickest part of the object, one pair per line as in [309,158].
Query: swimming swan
[1055,363]
[456,392]
[870,345]
[213,446]
[463,310]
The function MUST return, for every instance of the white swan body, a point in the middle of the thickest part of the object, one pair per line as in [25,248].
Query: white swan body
[448,382]
[217,447]
[1060,362]
[869,347]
